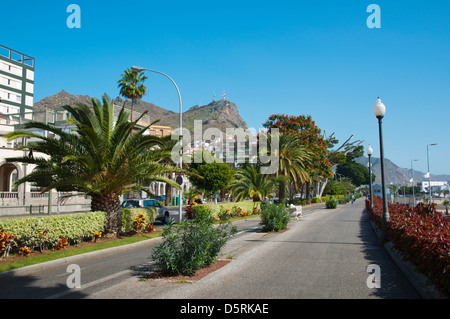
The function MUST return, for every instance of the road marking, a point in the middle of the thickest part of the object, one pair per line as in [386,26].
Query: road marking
[88,285]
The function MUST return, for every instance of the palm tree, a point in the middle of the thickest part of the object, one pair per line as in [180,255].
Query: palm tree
[293,159]
[99,157]
[250,182]
[132,87]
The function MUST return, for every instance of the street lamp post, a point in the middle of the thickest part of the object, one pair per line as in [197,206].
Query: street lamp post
[138,69]
[379,110]
[429,174]
[369,152]
[412,181]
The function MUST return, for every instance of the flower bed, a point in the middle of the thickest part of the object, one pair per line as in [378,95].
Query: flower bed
[23,235]
[422,235]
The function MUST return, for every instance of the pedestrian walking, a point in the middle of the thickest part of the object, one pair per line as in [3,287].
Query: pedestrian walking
[353,198]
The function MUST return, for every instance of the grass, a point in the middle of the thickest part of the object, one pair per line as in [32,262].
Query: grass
[41,258]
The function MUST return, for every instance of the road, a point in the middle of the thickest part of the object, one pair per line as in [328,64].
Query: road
[323,255]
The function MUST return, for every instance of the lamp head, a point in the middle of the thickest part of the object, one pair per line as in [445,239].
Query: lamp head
[379,109]
[137,69]
[369,150]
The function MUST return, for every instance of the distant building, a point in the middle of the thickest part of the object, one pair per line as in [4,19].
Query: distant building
[435,186]
[160,130]
[377,190]
[16,82]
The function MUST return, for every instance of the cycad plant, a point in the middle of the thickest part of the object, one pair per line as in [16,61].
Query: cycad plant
[99,157]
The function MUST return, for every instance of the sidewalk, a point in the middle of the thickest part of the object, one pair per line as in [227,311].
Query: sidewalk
[324,255]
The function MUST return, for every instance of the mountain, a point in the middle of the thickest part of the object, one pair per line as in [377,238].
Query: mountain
[221,114]
[395,174]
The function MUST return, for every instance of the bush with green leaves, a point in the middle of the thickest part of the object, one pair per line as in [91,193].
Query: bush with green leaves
[72,227]
[331,203]
[201,211]
[274,217]
[129,214]
[191,245]
[344,199]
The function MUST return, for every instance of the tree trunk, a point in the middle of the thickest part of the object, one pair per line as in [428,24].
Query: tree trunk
[282,192]
[168,192]
[110,204]
[308,192]
[131,113]
[320,187]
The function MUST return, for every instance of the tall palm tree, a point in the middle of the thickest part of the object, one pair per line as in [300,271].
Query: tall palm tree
[250,182]
[99,157]
[293,159]
[132,87]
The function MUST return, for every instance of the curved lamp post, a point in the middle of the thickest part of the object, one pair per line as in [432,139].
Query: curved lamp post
[369,152]
[379,110]
[138,69]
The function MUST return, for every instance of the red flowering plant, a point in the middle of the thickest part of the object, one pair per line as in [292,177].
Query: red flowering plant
[422,235]
[310,136]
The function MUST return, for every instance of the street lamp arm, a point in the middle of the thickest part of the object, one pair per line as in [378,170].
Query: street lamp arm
[138,69]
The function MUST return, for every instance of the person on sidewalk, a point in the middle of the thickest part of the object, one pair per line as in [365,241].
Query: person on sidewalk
[353,198]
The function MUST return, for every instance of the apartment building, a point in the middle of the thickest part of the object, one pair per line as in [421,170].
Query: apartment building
[16,82]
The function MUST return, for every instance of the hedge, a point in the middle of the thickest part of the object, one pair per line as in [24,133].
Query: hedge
[71,227]
[129,214]
[216,209]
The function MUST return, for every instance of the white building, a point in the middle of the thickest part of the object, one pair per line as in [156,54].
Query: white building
[16,81]
[16,108]
[435,186]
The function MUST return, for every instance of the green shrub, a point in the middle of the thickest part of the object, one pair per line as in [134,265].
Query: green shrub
[274,217]
[331,203]
[191,245]
[315,200]
[129,214]
[72,227]
[231,206]
[200,212]
[344,199]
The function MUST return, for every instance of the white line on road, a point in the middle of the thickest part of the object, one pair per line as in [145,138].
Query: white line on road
[88,285]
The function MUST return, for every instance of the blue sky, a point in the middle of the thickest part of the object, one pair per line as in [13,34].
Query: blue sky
[292,57]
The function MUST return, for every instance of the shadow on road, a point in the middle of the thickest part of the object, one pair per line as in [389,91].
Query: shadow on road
[394,284]
[26,287]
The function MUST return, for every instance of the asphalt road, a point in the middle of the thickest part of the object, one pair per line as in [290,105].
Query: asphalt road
[323,255]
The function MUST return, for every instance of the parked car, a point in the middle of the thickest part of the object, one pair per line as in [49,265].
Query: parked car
[162,211]
[161,198]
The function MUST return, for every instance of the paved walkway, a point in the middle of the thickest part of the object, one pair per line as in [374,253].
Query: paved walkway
[323,255]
